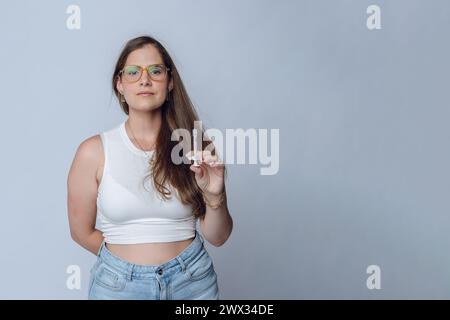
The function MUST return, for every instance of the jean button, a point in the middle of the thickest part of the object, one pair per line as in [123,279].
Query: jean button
[160,272]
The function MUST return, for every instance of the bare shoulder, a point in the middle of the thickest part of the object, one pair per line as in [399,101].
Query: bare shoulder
[89,155]
[91,149]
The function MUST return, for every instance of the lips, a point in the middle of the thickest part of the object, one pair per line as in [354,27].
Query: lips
[145,94]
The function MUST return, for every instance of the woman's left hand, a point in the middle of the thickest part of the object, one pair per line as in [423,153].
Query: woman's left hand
[210,174]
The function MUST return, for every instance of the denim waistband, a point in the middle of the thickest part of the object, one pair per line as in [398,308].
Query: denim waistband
[131,269]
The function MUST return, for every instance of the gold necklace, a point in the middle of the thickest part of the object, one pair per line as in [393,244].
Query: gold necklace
[147,155]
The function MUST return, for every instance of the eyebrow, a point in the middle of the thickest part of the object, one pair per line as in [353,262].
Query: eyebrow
[153,64]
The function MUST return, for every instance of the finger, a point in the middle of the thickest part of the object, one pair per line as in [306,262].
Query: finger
[209,159]
[216,161]
[197,170]
[217,164]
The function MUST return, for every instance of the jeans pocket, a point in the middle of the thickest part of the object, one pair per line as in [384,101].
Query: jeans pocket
[92,275]
[200,267]
[109,278]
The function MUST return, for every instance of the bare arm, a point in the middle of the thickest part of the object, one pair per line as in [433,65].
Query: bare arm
[216,224]
[82,194]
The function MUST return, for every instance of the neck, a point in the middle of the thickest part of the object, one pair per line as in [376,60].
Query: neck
[145,125]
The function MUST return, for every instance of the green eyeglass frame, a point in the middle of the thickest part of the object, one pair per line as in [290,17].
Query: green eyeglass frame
[133,77]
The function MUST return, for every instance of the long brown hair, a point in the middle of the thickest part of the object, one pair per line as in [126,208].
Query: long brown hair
[177,112]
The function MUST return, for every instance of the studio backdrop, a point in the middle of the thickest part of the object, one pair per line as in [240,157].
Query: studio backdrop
[344,188]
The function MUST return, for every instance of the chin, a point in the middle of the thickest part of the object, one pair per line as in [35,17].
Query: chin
[148,107]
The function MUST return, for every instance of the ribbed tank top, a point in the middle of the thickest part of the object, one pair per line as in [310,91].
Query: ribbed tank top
[129,209]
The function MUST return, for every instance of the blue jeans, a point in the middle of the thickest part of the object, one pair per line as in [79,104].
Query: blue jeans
[188,276]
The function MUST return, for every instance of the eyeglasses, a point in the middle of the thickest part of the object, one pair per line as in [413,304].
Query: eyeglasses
[157,72]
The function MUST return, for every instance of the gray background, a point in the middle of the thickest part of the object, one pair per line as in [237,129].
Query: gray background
[363,119]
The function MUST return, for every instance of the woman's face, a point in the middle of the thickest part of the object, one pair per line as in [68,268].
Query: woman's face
[143,57]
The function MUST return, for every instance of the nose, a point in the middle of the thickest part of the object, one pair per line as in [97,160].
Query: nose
[145,78]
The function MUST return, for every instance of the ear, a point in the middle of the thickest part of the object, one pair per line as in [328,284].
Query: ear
[119,86]
[171,85]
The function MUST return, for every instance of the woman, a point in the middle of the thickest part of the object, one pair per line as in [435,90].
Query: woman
[147,245]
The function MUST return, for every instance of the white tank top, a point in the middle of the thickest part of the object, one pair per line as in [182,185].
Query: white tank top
[129,211]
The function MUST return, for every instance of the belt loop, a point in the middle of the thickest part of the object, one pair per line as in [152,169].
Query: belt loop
[130,272]
[101,247]
[200,236]
[183,266]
